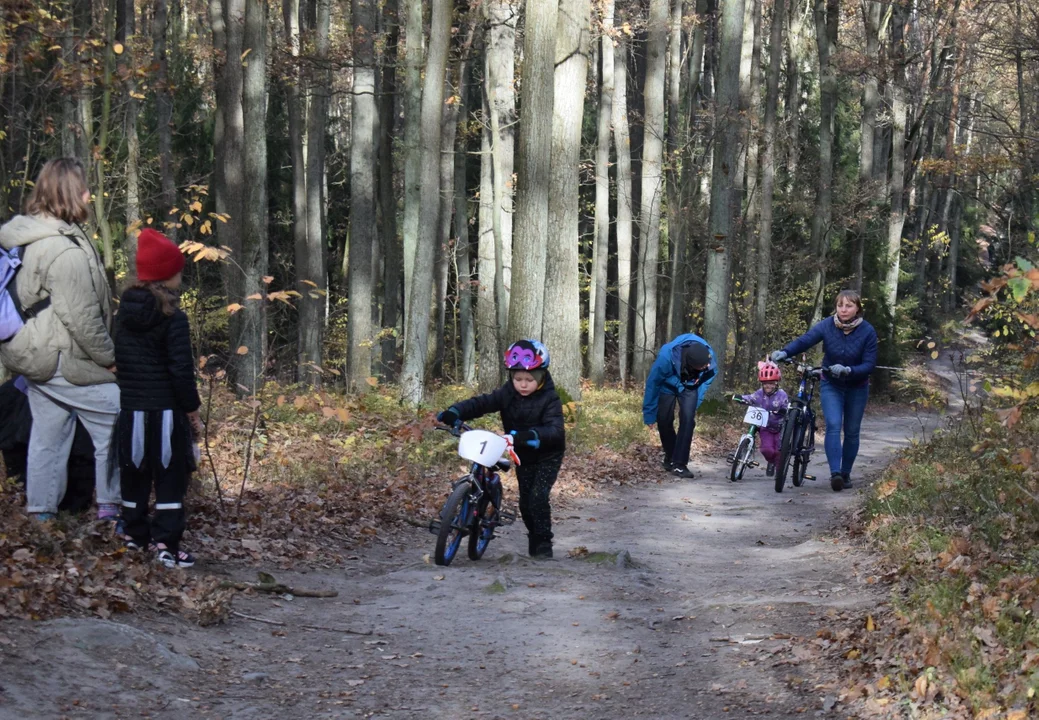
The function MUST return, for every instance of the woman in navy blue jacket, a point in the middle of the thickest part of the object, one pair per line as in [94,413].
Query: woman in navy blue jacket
[849,357]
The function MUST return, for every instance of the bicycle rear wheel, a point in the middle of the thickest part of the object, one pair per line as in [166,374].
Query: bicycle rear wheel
[454,524]
[787,446]
[741,457]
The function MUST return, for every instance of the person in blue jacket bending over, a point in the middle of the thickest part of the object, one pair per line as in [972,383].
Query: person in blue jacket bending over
[849,356]
[681,374]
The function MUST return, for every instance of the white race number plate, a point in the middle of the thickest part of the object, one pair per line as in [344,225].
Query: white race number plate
[756,416]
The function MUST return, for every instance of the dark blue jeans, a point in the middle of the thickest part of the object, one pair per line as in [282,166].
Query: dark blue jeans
[843,407]
[676,445]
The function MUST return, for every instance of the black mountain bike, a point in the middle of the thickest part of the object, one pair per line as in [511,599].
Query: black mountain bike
[799,428]
[473,508]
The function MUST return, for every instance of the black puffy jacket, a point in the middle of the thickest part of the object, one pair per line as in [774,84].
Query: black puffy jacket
[154,365]
[541,411]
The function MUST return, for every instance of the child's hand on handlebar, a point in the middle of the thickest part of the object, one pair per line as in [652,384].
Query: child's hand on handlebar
[449,417]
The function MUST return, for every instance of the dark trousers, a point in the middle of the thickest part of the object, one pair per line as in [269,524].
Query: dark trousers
[167,525]
[676,446]
[535,485]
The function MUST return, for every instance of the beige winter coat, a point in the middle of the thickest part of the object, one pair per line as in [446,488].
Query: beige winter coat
[60,262]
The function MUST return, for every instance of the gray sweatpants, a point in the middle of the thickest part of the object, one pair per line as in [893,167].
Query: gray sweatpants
[55,405]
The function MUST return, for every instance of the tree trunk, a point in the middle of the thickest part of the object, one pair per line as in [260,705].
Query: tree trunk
[751,229]
[601,248]
[413,53]
[445,252]
[622,143]
[561,329]
[725,198]
[164,116]
[250,366]
[526,306]
[501,73]
[896,184]
[362,197]
[314,301]
[463,273]
[793,91]
[413,372]
[677,133]
[652,189]
[392,251]
[126,33]
[290,17]
[826,21]
[871,12]
[768,179]
[487,330]
[228,21]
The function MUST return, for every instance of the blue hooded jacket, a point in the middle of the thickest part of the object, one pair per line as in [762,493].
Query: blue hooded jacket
[666,375]
[857,350]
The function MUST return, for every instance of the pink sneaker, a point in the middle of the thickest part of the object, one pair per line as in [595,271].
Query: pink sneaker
[107,511]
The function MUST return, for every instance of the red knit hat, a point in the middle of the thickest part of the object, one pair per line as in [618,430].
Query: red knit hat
[158,259]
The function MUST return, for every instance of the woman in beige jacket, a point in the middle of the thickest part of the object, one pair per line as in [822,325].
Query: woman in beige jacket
[65,350]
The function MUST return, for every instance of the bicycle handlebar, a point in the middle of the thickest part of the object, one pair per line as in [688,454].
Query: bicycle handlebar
[453,430]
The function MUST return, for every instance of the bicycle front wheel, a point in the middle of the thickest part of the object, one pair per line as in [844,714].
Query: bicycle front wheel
[800,456]
[454,524]
[741,458]
[787,447]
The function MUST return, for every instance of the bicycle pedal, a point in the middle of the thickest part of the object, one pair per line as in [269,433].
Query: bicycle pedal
[731,457]
[809,477]
[434,526]
[506,518]
[753,464]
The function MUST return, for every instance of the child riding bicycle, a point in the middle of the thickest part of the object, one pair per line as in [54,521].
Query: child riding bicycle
[532,413]
[769,397]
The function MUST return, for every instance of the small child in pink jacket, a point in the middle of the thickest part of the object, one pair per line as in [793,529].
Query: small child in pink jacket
[769,397]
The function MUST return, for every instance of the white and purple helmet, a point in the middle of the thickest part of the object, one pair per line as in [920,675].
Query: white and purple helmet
[526,355]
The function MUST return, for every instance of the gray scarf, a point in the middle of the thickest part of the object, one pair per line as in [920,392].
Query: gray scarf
[847,327]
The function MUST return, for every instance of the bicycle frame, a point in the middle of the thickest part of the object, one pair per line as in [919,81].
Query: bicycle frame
[799,439]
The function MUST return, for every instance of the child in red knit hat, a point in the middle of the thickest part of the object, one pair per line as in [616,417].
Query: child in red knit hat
[159,419]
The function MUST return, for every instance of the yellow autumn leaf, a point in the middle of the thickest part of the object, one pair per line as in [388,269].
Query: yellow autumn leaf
[268,279]
[243,350]
[921,686]
[195,207]
[328,412]
[255,296]
[281,400]
[188,219]
[299,402]
[854,654]
[233,308]
[884,683]
[343,414]
[870,625]
[887,488]
[373,381]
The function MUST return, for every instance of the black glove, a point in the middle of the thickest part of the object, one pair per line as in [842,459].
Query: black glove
[449,417]
[526,437]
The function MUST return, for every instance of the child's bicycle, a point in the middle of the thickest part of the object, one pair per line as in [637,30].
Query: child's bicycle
[799,428]
[755,418]
[469,510]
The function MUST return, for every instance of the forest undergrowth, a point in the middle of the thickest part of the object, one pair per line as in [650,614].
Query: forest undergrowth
[955,522]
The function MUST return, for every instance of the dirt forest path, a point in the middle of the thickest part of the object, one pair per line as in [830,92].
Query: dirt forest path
[689,604]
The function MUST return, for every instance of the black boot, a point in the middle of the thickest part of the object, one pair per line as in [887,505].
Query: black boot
[847,480]
[770,470]
[836,481]
[543,550]
[532,544]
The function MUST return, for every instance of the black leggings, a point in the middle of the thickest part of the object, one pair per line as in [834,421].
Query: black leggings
[535,486]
